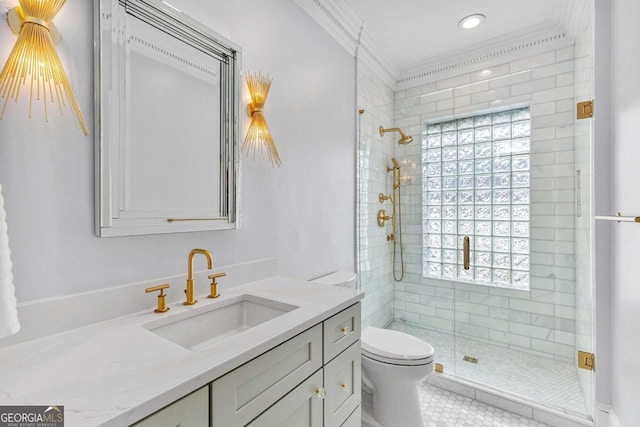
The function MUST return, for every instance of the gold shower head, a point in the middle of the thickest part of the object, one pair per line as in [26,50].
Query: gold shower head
[404,139]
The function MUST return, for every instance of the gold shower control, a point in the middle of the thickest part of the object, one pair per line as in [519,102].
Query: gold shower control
[382,197]
[383,217]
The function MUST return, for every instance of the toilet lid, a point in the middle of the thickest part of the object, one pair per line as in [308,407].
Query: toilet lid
[394,345]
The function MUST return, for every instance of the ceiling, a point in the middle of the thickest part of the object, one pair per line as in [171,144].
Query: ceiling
[408,32]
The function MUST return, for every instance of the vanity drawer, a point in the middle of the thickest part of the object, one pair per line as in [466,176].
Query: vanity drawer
[302,407]
[244,393]
[190,411]
[342,383]
[340,331]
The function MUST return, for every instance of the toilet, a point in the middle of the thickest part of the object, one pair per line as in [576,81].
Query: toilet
[393,365]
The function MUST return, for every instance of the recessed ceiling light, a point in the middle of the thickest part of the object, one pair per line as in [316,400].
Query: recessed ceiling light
[471,21]
[485,73]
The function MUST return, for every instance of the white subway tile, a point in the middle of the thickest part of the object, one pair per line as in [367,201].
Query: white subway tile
[454,82]
[565,54]
[490,95]
[531,331]
[533,62]
[534,86]
[511,79]
[489,322]
[445,105]
[543,109]
[532,306]
[554,70]
[566,79]
[495,71]
[553,348]
[471,88]
[553,94]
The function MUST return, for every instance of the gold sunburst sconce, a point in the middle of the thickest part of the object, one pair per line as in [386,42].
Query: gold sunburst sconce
[34,61]
[259,136]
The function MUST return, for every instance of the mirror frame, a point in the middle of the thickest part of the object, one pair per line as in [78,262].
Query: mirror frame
[109,63]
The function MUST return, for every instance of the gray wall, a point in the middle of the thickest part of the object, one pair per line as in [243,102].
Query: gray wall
[625,292]
[303,214]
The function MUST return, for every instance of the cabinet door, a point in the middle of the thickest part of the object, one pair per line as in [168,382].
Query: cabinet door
[340,331]
[342,383]
[246,392]
[190,411]
[302,407]
[355,419]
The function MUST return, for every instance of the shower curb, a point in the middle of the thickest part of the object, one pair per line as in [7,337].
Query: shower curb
[516,405]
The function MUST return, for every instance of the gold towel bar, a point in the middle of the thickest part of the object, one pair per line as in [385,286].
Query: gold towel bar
[619,218]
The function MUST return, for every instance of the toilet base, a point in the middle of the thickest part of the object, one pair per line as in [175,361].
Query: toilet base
[397,405]
[396,401]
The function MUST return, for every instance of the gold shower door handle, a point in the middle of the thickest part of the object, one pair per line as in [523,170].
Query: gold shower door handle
[467,254]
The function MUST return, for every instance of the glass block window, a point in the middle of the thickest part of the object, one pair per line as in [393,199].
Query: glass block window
[476,183]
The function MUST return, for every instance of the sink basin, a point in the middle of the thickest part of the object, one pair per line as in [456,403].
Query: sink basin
[210,324]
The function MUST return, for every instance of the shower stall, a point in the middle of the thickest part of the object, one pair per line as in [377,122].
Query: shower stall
[497,219]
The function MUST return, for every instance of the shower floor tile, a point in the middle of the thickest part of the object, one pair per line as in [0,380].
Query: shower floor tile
[542,380]
[441,408]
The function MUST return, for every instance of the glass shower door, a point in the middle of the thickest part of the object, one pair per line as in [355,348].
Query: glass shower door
[523,307]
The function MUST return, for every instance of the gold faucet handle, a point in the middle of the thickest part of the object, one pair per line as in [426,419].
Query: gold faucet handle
[214,285]
[162,298]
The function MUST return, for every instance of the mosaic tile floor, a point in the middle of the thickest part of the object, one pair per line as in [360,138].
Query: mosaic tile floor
[441,408]
[542,380]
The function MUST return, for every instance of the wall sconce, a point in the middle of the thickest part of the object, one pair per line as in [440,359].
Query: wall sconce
[34,60]
[259,136]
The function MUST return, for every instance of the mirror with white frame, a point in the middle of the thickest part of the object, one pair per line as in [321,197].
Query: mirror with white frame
[167,114]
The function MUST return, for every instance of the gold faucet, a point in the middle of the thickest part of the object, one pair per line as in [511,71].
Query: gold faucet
[189,291]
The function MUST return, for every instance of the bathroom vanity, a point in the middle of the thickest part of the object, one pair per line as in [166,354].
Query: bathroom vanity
[306,381]
[277,351]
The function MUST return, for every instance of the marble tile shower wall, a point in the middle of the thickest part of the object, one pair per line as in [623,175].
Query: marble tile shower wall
[375,97]
[539,321]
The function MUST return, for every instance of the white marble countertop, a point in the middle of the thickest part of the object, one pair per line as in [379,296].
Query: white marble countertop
[116,372]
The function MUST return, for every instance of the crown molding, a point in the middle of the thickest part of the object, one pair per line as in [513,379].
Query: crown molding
[526,43]
[342,23]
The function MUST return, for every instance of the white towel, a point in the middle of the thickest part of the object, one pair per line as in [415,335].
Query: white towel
[9,324]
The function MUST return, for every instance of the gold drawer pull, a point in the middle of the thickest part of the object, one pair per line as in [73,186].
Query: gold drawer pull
[345,330]
[345,387]
[321,393]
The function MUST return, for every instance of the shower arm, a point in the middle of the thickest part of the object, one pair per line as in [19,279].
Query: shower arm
[400,131]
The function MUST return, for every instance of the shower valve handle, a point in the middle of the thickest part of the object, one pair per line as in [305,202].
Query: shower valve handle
[382,197]
[383,217]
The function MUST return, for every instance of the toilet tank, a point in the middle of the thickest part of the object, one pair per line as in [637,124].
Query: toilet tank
[345,279]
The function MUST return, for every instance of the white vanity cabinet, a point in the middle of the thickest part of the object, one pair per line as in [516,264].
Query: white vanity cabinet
[310,380]
[323,360]
[190,411]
